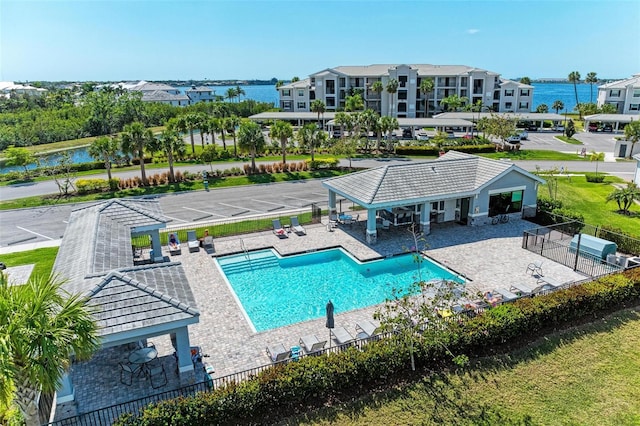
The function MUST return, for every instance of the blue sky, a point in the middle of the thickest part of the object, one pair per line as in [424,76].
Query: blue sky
[154,40]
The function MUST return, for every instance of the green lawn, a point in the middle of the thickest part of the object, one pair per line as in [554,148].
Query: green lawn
[590,200]
[534,154]
[584,376]
[43,259]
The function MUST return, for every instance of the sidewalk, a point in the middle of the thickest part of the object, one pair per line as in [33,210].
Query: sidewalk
[31,246]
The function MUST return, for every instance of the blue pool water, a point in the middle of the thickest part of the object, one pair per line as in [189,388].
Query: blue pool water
[276,291]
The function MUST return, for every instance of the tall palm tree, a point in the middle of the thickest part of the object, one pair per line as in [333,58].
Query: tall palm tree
[632,134]
[231,123]
[135,137]
[239,92]
[250,138]
[202,124]
[453,102]
[388,125]
[318,107]
[310,136]
[282,130]
[354,103]
[231,94]
[41,327]
[392,88]
[426,87]
[279,84]
[591,78]
[378,88]
[173,146]
[105,149]
[188,123]
[557,105]
[574,77]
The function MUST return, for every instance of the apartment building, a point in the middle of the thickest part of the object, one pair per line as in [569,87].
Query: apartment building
[624,94]
[333,85]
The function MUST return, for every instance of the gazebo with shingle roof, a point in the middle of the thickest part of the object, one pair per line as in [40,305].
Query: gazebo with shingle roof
[131,302]
[455,187]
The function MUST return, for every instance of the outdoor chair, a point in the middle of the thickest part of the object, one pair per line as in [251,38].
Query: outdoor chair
[207,242]
[535,268]
[127,371]
[552,282]
[297,228]
[158,376]
[278,353]
[506,295]
[341,335]
[278,230]
[524,289]
[367,329]
[312,344]
[174,248]
[192,241]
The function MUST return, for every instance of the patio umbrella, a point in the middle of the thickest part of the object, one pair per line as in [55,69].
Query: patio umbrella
[329,323]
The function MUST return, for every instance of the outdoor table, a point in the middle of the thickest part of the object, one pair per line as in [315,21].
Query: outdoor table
[143,357]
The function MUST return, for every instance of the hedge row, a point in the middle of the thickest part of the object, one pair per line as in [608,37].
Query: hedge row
[627,243]
[432,150]
[286,389]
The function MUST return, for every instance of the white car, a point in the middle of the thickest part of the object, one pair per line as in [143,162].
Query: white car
[514,139]
[422,136]
[559,128]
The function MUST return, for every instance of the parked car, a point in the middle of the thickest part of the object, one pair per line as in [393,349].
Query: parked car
[593,127]
[532,127]
[336,134]
[514,139]
[468,136]
[607,128]
[422,136]
[558,128]
[523,134]
[450,134]
[407,134]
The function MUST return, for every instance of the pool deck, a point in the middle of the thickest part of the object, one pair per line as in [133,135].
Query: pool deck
[490,256]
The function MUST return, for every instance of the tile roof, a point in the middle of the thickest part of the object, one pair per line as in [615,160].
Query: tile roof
[376,70]
[161,95]
[453,174]
[622,84]
[96,259]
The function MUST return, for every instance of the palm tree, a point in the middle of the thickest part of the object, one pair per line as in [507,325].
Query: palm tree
[41,327]
[318,107]
[377,88]
[625,197]
[426,87]
[343,120]
[283,131]
[525,80]
[354,103]
[173,146]
[105,149]
[557,105]
[596,156]
[453,102]
[231,93]
[279,84]
[294,79]
[388,125]
[135,137]
[591,78]
[632,134]
[202,124]
[574,77]
[392,88]
[239,92]
[250,138]
[187,123]
[310,136]
[542,109]
[231,123]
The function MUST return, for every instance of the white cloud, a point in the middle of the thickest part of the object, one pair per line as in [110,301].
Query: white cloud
[472,31]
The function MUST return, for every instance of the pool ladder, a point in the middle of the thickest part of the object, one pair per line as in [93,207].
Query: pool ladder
[246,253]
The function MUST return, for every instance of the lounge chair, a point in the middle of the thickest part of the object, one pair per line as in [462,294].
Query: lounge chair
[174,247]
[278,230]
[207,242]
[366,329]
[552,282]
[297,228]
[312,344]
[278,353]
[506,295]
[341,335]
[535,268]
[192,241]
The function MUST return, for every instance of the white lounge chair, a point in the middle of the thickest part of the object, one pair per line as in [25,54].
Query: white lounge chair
[278,230]
[174,247]
[192,241]
[524,289]
[551,282]
[278,353]
[506,295]
[341,335]
[312,344]
[366,329]
[297,228]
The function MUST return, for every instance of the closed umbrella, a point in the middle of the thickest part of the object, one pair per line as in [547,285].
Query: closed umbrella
[329,323]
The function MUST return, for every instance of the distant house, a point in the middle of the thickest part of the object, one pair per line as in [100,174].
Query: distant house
[8,87]
[623,94]
[200,94]
[157,92]
[456,187]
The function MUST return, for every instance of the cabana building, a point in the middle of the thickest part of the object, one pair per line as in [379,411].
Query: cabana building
[456,187]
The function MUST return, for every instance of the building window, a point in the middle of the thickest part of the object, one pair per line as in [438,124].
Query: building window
[508,92]
[464,93]
[331,87]
[331,102]
[464,81]
[614,93]
[634,107]
[286,92]
[508,105]
[402,94]
[636,93]
[286,105]
[523,105]
[343,82]
[300,92]
[524,92]
[402,107]
[506,202]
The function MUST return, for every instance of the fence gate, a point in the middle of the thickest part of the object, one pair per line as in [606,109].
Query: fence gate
[316,213]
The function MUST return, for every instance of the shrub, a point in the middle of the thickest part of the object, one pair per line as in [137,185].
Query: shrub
[277,391]
[592,177]
[321,164]
[434,150]
[114,184]
[87,186]
[627,243]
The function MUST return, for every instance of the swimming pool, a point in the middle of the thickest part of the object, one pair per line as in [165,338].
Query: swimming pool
[275,291]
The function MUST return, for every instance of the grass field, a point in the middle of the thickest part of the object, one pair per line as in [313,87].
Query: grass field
[590,200]
[534,154]
[588,375]
[43,258]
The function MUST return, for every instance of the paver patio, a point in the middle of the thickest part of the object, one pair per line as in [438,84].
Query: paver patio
[489,256]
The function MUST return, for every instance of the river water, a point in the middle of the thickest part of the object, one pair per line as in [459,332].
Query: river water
[543,93]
